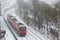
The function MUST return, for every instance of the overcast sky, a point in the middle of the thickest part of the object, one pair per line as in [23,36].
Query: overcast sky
[11,2]
[50,1]
[47,1]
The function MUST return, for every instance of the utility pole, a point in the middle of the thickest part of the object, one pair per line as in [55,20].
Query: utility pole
[0,15]
[0,9]
[58,19]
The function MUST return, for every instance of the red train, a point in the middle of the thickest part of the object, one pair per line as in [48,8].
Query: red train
[19,27]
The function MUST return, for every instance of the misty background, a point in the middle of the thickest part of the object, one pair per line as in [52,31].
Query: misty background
[42,15]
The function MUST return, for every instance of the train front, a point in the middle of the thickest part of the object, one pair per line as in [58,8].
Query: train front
[23,30]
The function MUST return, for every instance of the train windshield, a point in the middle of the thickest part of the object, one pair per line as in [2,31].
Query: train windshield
[11,16]
[15,19]
[19,23]
[22,28]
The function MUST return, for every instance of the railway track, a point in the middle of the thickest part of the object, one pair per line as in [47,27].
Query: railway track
[36,37]
[29,36]
[33,36]
[16,35]
[36,34]
[23,38]
[9,28]
[42,37]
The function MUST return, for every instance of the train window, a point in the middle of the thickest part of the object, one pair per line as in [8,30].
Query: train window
[20,24]
[22,28]
[11,16]
[15,19]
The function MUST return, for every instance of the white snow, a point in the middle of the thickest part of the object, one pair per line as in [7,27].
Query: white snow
[8,35]
[31,33]
[50,1]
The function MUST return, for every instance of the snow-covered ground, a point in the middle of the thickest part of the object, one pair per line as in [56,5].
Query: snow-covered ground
[29,36]
[34,32]
[31,33]
[8,35]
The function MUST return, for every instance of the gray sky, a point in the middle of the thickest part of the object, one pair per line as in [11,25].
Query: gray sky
[50,1]
[47,1]
[11,2]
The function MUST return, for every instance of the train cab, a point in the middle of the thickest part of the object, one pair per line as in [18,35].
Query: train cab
[22,28]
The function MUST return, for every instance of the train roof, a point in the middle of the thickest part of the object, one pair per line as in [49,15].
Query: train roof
[13,18]
[11,15]
[22,26]
[17,21]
